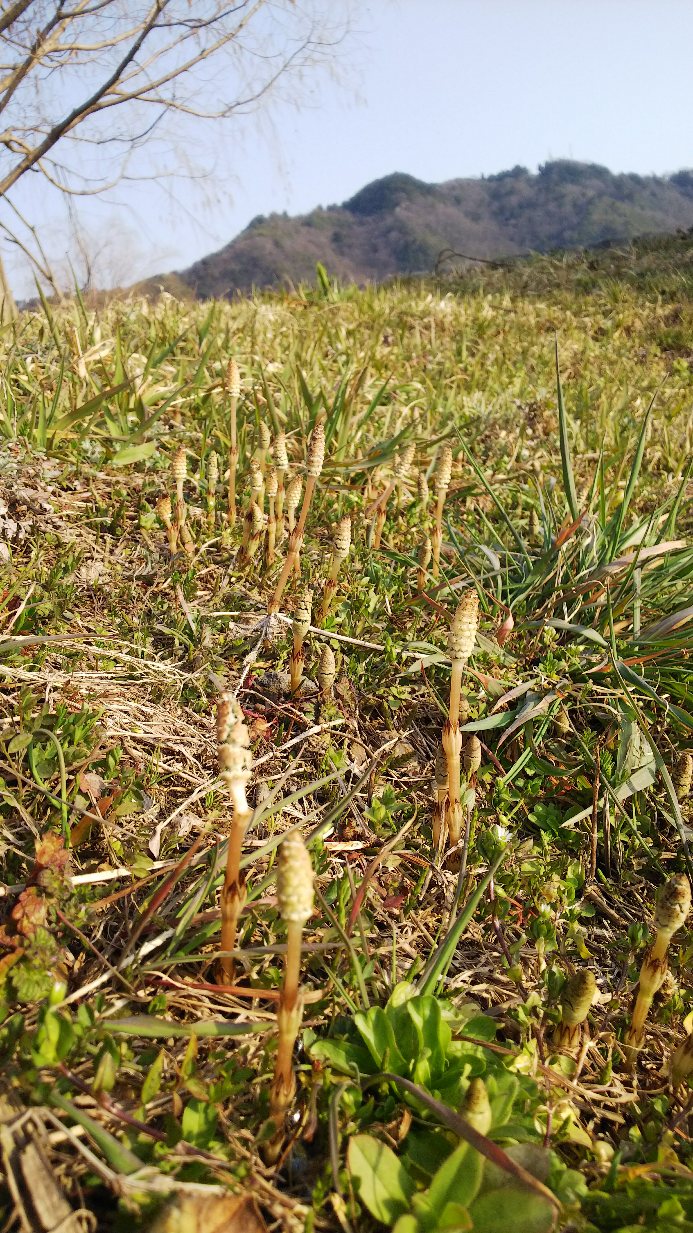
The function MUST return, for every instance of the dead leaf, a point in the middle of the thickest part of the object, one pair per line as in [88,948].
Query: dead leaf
[199,1213]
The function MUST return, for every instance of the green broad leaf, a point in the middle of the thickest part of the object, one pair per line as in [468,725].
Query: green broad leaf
[133,453]
[150,1028]
[457,1181]
[407,1224]
[19,742]
[377,1032]
[500,720]
[512,1207]
[347,1058]
[120,1158]
[434,1036]
[380,1179]
[152,1083]
[454,1219]
[199,1122]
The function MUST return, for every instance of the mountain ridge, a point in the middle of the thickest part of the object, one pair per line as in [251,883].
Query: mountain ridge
[398,225]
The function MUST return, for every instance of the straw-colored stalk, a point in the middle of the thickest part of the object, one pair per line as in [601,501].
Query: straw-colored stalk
[534,525]
[293,497]
[212,481]
[232,383]
[233,742]
[442,784]
[300,626]
[327,672]
[576,999]
[340,552]
[316,458]
[682,1061]
[281,464]
[671,910]
[378,526]
[164,510]
[443,474]
[461,641]
[295,898]
[271,489]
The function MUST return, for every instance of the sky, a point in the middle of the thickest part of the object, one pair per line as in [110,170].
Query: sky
[436,88]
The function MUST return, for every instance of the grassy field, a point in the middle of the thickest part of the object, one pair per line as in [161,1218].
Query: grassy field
[364,908]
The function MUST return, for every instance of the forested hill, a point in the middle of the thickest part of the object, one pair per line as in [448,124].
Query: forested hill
[400,225]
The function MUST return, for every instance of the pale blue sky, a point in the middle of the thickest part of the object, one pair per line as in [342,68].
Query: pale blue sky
[438,89]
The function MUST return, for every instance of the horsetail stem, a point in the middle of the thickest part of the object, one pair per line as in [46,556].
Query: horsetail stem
[461,640]
[232,383]
[316,458]
[442,784]
[179,471]
[272,488]
[424,560]
[233,742]
[212,481]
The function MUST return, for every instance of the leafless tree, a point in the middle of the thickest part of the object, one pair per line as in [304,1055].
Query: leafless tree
[88,88]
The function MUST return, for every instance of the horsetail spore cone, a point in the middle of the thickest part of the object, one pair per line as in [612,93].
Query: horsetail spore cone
[472,754]
[293,497]
[442,477]
[476,1107]
[340,552]
[672,908]
[682,1061]
[165,512]
[295,899]
[461,641]
[578,996]
[233,741]
[300,626]
[683,775]
[281,463]
[326,671]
